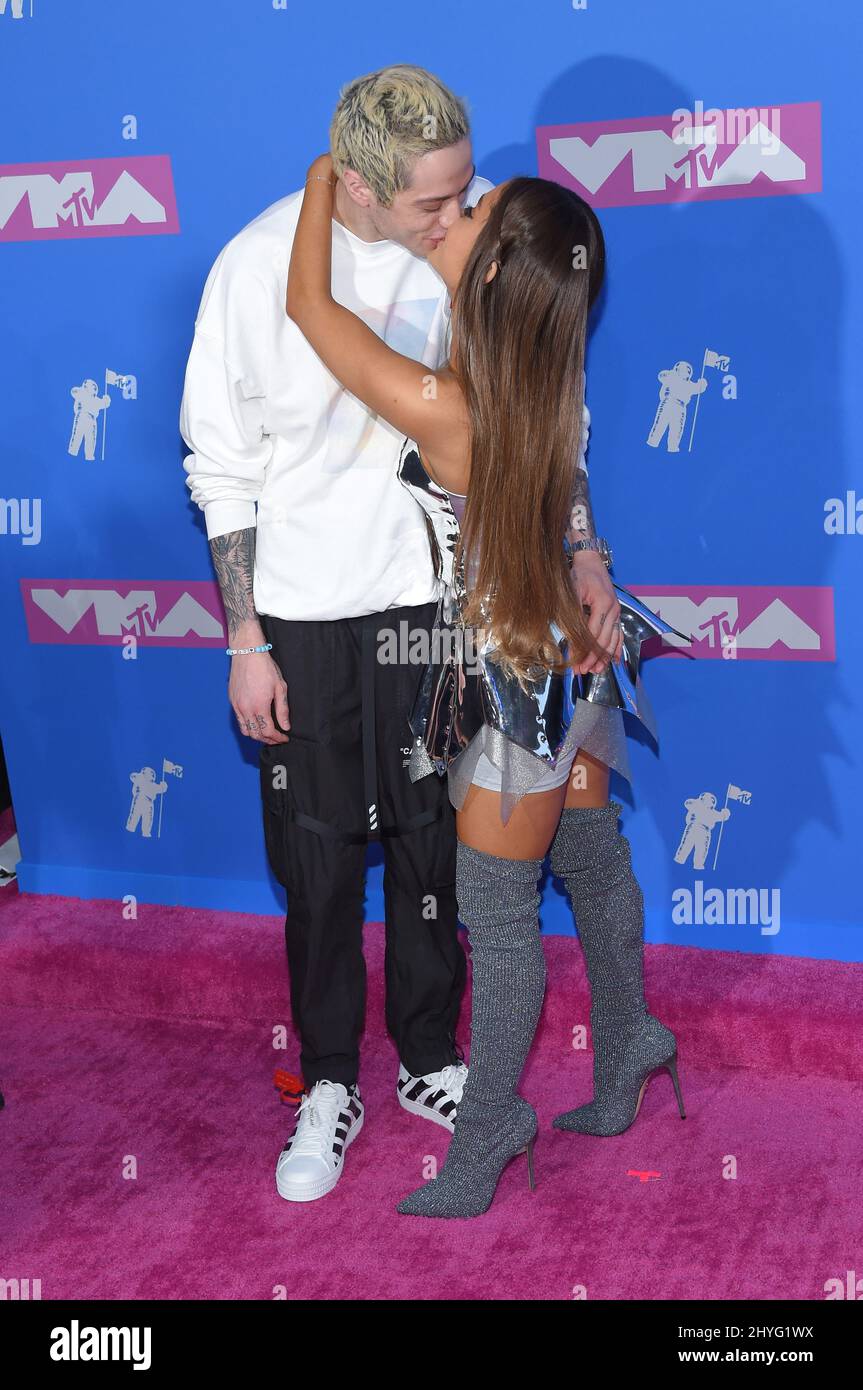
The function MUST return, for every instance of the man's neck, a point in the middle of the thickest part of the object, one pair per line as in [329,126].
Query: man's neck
[356,219]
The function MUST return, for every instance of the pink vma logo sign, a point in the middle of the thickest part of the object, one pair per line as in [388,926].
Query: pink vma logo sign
[688,156]
[104,612]
[752,623]
[133,196]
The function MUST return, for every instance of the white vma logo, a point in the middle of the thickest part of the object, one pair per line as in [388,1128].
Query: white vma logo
[120,614]
[754,622]
[687,156]
[659,159]
[71,200]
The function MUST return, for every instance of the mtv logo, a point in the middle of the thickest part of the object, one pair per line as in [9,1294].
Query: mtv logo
[133,196]
[165,613]
[625,163]
[754,622]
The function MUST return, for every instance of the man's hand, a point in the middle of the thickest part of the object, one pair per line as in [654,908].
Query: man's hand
[595,591]
[255,685]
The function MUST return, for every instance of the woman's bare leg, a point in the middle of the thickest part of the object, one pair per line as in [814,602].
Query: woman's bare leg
[588,782]
[526,835]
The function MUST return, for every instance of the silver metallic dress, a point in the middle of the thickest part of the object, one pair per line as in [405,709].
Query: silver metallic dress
[466,705]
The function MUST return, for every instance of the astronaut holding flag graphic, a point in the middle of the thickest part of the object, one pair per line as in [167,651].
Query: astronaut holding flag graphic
[145,789]
[676,391]
[701,818]
[88,406]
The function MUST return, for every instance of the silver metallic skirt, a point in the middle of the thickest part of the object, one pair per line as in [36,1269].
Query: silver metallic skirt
[465,709]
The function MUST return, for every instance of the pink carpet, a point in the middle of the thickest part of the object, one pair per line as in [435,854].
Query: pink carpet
[150,1042]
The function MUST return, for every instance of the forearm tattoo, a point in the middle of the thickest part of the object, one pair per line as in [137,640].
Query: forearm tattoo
[581,523]
[234,561]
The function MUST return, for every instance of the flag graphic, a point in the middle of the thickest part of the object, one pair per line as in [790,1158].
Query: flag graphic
[716,359]
[711,359]
[737,794]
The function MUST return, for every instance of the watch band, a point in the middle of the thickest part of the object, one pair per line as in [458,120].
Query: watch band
[598,544]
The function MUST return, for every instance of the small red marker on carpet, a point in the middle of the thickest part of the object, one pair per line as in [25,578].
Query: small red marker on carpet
[290,1088]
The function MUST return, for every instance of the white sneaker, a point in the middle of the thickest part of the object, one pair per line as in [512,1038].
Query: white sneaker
[435,1096]
[329,1118]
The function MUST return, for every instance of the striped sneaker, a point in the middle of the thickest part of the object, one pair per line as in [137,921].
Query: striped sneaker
[435,1096]
[329,1118]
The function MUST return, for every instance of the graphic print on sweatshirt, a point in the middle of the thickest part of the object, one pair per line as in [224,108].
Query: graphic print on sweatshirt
[346,427]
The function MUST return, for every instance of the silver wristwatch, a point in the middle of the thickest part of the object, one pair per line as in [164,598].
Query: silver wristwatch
[600,545]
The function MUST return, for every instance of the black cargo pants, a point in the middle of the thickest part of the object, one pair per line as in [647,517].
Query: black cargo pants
[340,781]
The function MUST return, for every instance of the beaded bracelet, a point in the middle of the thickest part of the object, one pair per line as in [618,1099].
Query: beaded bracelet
[244,651]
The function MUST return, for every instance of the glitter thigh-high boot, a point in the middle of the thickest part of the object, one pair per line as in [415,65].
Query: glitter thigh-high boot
[498,903]
[593,859]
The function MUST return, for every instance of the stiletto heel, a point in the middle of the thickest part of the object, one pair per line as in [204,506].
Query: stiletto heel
[617,1106]
[531,1179]
[672,1067]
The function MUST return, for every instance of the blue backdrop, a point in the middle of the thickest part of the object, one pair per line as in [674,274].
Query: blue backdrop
[137,139]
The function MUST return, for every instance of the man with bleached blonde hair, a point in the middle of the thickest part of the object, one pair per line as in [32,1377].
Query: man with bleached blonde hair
[321,553]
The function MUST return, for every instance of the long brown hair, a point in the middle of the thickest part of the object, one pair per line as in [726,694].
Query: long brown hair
[519,348]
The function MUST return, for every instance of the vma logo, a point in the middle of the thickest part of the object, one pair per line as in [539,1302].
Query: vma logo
[107,612]
[131,196]
[736,153]
[747,622]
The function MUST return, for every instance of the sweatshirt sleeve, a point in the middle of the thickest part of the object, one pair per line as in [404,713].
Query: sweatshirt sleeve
[224,397]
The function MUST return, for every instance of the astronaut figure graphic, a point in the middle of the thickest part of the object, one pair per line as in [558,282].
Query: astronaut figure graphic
[676,391]
[145,789]
[701,816]
[88,403]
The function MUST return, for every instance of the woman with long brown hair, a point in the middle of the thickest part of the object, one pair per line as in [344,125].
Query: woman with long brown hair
[494,453]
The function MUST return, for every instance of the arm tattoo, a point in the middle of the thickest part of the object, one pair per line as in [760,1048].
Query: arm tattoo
[234,560]
[581,523]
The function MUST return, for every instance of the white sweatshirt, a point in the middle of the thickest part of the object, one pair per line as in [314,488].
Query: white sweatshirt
[277,443]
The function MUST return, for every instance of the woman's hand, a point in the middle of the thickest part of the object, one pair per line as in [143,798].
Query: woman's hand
[596,591]
[322,168]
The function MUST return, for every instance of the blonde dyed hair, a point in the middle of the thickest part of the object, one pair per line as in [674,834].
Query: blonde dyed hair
[386,120]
